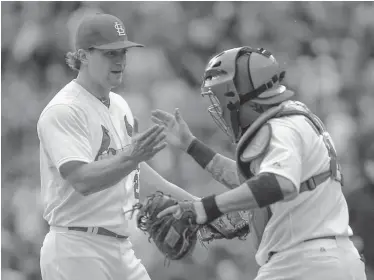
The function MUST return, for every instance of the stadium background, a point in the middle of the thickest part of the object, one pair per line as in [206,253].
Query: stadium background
[328,49]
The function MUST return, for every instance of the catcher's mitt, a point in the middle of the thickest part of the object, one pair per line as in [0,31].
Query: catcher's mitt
[228,226]
[174,237]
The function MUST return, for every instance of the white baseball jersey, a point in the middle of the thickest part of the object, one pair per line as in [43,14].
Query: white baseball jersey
[75,125]
[297,152]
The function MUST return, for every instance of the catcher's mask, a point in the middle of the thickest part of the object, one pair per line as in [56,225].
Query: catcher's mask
[242,76]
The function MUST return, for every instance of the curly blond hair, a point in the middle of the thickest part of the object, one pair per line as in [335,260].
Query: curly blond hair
[73,61]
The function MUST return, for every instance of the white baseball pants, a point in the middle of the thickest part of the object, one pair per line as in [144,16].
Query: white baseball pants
[320,259]
[74,255]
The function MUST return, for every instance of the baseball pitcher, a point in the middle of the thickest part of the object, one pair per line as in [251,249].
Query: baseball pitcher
[90,161]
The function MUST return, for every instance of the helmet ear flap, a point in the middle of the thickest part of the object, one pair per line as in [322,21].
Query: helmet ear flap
[242,80]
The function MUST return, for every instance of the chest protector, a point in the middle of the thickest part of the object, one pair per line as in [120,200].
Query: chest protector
[254,143]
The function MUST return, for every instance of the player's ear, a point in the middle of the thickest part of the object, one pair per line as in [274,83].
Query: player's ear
[82,55]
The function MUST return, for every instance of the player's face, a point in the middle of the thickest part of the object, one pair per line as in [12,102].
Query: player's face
[221,91]
[106,67]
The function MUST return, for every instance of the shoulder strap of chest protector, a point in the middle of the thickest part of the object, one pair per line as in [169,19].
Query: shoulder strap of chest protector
[334,171]
[291,108]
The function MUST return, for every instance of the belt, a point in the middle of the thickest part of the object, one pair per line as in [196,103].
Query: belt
[272,253]
[99,231]
[322,237]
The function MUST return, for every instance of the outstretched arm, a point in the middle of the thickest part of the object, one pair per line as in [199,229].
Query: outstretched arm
[259,191]
[64,134]
[278,179]
[221,168]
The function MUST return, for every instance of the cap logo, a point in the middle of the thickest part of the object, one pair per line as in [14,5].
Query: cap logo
[119,28]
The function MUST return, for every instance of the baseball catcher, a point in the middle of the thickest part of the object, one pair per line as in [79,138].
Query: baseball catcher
[285,172]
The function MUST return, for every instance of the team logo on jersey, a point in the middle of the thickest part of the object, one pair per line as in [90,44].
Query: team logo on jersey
[128,127]
[120,29]
[105,143]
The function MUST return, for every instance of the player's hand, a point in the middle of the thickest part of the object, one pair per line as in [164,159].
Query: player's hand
[177,131]
[177,210]
[148,143]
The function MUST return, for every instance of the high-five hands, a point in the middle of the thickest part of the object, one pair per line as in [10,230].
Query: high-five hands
[177,131]
[146,144]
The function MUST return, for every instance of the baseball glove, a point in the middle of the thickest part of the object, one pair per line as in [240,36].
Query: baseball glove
[174,237]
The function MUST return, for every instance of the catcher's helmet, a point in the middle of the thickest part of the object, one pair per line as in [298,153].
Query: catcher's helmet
[242,76]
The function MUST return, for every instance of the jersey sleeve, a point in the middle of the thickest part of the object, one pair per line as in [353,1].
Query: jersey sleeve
[64,135]
[284,154]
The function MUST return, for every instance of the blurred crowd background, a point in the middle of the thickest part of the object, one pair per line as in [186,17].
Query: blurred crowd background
[327,47]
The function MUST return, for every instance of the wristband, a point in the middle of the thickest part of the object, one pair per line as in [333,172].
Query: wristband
[200,152]
[211,209]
